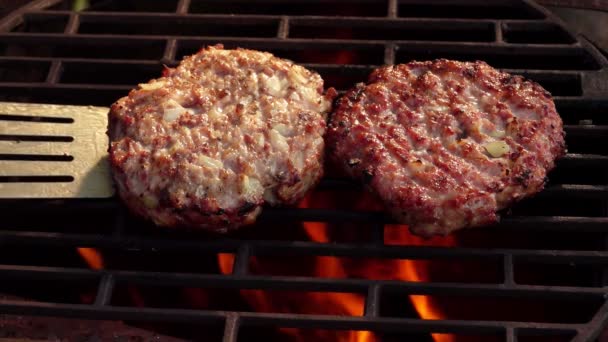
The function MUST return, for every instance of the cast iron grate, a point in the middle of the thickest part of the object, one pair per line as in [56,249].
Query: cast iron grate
[51,54]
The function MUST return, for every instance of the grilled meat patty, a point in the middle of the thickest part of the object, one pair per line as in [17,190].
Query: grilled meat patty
[211,141]
[446,144]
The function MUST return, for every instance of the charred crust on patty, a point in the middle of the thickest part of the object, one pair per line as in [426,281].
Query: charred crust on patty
[524,177]
[446,144]
[246,208]
[469,72]
[217,137]
[367,176]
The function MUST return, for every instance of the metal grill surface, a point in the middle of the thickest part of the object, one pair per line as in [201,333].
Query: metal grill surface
[51,54]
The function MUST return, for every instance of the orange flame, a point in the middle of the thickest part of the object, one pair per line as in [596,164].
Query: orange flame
[92,257]
[94,260]
[317,302]
[331,267]
[348,304]
[417,271]
[406,270]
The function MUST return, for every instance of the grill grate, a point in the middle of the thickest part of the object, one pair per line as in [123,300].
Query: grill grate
[54,55]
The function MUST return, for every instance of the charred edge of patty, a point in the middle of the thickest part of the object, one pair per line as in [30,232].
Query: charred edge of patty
[346,100]
[190,217]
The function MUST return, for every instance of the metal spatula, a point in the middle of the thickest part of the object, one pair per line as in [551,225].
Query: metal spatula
[53,151]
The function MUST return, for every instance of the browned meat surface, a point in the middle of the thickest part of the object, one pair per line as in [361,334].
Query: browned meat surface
[446,144]
[224,132]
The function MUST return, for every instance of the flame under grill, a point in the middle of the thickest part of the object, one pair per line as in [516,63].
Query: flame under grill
[53,55]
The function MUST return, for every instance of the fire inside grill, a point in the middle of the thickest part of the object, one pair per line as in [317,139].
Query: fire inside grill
[335,268]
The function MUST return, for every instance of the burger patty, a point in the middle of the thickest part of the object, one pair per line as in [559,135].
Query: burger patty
[446,144]
[211,141]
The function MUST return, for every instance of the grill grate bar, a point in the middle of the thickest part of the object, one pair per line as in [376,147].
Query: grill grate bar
[401,325]
[241,262]
[283,320]
[587,333]
[583,159]
[510,335]
[182,8]
[575,190]
[338,184]
[261,247]
[66,86]
[372,301]
[170,51]
[361,285]
[104,292]
[292,215]
[73,23]
[542,75]
[231,328]
[578,190]
[50,272]
[600,130]
[486,47]
[118,16]
[92,62]
[308,283]
[509,277]
[108,312]
[54,72]
[498,33]
[389,54]
[283,30]
[393,7]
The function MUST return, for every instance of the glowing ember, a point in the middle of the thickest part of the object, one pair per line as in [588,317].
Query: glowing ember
[225,262]
[92,257]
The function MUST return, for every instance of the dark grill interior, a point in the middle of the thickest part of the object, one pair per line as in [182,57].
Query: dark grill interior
[539,275]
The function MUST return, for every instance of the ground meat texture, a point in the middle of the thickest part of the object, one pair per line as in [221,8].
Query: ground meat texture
[207,144]
[446,144]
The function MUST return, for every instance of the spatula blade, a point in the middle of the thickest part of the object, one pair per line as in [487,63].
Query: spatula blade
[53,151]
